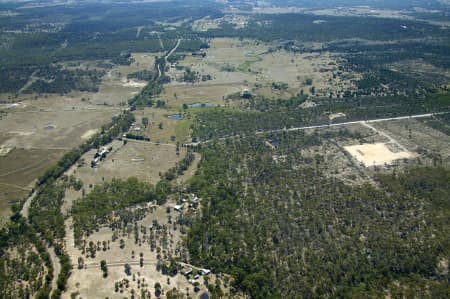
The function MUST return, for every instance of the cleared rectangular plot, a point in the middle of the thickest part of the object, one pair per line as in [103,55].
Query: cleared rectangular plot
[376,154]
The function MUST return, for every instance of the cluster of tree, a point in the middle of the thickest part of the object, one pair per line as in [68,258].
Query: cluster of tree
[285,229]
[96,208]
[137,137]
[181,167]
[14,78]
[190,76]
[27,270]
[176,57]
[123,59]
[387,81]
[364,55]
[144,75]
[53,79]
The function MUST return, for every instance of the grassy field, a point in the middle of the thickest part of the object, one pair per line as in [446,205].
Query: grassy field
[19,169]
[236,65]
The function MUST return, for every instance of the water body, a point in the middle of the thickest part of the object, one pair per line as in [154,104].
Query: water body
[175,116]
[202,105]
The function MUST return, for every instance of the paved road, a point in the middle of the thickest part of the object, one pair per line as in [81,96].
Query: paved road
[361,122]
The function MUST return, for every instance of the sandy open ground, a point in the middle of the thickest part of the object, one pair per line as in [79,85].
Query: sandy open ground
[376,154]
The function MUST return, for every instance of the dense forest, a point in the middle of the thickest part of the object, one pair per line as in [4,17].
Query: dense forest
[283,229]
[262,114]
[311,28]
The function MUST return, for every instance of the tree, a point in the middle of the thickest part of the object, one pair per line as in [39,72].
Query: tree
[80,263]
[104,268]
[157,289]
[127,269]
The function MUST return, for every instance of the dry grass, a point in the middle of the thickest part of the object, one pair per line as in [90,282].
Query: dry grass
[19,169]
[254,67]
[139,159]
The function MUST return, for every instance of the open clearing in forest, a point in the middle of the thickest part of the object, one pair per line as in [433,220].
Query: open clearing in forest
[376,154]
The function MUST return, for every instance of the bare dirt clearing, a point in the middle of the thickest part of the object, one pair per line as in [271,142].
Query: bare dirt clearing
[376,154]
[89,134]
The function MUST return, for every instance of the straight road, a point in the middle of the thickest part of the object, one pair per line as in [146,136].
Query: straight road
[360,122]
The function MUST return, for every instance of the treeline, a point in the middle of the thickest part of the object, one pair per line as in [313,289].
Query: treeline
[286,229]
[181,167]
[153,88]
[137,137]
